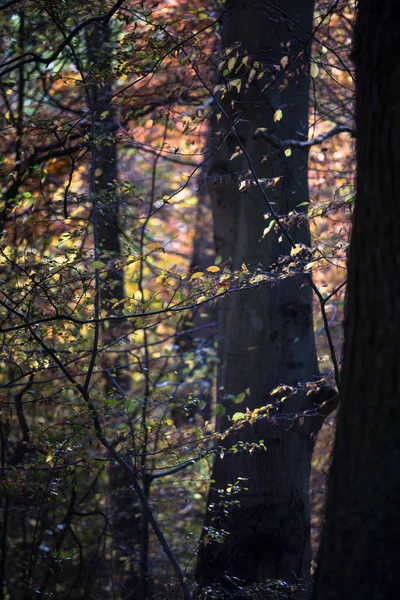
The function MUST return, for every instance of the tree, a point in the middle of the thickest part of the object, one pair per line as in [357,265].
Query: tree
[106,326]
[359,556]
[257,525]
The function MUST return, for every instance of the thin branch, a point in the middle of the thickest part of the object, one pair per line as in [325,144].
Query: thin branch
[34,57]
[306,144]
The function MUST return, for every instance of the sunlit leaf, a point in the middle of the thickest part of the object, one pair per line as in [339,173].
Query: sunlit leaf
[152,247]
[237,416]
[314,70]
[197,275]
[268,229]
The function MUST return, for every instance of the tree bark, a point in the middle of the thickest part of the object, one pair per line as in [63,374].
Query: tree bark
[360,553]
[266,336]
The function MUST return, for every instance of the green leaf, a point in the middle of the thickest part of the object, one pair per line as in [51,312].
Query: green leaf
[238,416]
[239,398]
[97,264]
[268,229]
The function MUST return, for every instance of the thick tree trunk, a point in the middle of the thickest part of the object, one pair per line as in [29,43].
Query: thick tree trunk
[360,551]
[266,336]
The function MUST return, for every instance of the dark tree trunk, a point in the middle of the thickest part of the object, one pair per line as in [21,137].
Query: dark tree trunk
[125,511]
[360,550]
[266,336]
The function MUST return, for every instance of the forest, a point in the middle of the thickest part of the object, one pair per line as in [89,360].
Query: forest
[199,300]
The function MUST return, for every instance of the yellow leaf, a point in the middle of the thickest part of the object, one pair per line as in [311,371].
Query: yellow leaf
[278,115]
[314,70]
[235,83]
[231,63]
[288,152]
[213,269]
[49,457]
[197,275]
[252,74]
[284,61]
[244,268]
[152,247]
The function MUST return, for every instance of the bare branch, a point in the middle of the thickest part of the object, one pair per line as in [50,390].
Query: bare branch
[306,144]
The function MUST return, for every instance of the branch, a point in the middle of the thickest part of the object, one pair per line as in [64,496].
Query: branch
[180,467]
[283,144]
[111,12]
[33,57]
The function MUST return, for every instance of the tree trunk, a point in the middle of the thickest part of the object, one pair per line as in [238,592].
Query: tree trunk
[360,552]
[266,335]
[125,510]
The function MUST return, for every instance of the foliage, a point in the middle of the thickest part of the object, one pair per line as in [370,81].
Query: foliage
[104,120]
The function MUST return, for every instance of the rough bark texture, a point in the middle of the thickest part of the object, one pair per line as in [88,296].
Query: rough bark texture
[266,336]
[360,551]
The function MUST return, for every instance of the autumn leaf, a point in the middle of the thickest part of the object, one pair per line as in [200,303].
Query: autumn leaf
[197,275]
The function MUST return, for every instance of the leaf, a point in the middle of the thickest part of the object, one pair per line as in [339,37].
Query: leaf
[288,152]
[213,269]
[131,405]
[252,74]
[244,185]
[237,83]
[152,247]
[97,264]
[49,457]
[268,229]
[239,398]
[237,416]
[197,275]
[284,61]
[231,63]
[278,115]
[314,70]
